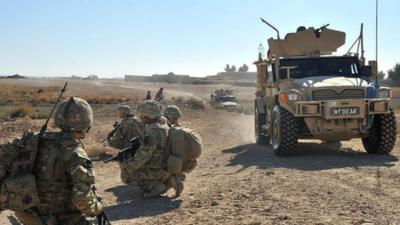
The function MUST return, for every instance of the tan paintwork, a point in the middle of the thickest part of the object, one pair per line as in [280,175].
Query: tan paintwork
[317,115]
[307,43]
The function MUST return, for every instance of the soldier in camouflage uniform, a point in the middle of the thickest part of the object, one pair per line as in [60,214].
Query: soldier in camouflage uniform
[128,128]
[148,166]
[173,114]
[63,171]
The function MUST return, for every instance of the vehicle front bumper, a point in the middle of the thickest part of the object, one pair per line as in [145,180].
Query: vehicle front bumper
[324,108]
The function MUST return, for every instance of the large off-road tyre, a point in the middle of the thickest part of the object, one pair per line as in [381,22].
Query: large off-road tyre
[259,121]
[382,135]
[284,136]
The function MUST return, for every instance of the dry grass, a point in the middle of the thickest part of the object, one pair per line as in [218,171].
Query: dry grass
[21,111]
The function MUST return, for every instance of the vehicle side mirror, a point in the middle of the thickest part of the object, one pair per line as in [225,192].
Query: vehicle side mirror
[373,65]
[366,71]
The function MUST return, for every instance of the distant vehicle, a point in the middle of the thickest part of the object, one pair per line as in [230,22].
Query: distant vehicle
[224,99]
[305,92]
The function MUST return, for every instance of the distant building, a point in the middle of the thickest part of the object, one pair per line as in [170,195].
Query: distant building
[234,76]
[167,78]
[137,78]
[16,76]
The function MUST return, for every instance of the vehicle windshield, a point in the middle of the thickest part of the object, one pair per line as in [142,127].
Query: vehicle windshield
[311,67]
[227,99]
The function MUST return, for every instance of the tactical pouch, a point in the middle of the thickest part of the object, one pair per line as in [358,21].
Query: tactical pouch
[174,164]
[19,193]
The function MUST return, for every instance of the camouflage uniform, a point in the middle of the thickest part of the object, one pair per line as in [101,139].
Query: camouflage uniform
[173,114]
[127,129]
[64,173]
[148,166]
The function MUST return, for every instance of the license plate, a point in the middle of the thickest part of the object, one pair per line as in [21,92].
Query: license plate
[345,111]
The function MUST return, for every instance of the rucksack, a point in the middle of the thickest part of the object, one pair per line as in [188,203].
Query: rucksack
[18,190]
[184,149]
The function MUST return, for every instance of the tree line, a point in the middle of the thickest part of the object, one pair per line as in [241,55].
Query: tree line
[393,75]
[229,68]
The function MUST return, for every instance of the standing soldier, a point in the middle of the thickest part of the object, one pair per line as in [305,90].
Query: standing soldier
[148,165]
[148,96]
[63,171]
[159,95]
[128,128]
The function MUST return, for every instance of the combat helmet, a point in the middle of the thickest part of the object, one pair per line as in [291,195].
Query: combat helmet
[150,108]
[125,108]
[74,114]
[172,112]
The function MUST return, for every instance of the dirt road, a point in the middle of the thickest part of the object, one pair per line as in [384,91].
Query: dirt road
[238,182]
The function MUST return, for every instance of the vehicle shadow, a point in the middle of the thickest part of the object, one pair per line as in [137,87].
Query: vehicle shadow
[309,156]
[131,204]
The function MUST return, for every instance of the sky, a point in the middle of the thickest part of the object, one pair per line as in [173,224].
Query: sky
[197,37]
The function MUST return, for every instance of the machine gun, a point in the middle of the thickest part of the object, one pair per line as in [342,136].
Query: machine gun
[126,152]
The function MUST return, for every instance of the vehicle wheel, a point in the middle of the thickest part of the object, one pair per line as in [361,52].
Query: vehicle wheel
[284,132]
[382,135]
[259,121]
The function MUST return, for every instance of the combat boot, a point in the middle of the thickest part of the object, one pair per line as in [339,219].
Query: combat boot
[176,183]
[157,191]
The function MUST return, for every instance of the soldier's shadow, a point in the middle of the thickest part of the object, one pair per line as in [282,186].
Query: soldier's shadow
[309,157]
[131,204]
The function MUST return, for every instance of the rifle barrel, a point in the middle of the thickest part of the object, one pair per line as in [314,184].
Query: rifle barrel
[44,127]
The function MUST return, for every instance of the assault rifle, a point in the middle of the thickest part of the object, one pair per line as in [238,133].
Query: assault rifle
[115,125]
[44,127]
[126,152]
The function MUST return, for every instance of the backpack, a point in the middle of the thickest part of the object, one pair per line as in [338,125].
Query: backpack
[18,190]
[184,148]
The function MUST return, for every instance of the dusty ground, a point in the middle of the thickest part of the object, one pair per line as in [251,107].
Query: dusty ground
[238,182]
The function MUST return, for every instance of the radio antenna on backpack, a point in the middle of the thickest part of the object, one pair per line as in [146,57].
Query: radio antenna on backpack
[44,127]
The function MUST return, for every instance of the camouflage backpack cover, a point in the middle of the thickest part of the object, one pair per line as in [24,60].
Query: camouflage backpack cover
[18,190]
[184,148]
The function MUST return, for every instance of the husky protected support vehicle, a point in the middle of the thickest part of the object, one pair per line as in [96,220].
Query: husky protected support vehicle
[305,92]
[224,99]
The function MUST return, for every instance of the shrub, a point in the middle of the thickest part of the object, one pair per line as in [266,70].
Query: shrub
[21,111]
[195,103]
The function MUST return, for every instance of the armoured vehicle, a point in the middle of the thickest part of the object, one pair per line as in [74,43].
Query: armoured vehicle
[306,92]
[224,99]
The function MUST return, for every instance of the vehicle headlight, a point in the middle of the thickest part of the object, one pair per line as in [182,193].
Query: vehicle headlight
[290,96]
[294,96]
[383,93]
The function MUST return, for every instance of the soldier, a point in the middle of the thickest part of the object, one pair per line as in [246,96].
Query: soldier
[148,96]
[63,171]
[173,114]
[128,128]
[159,95]
[148,166]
